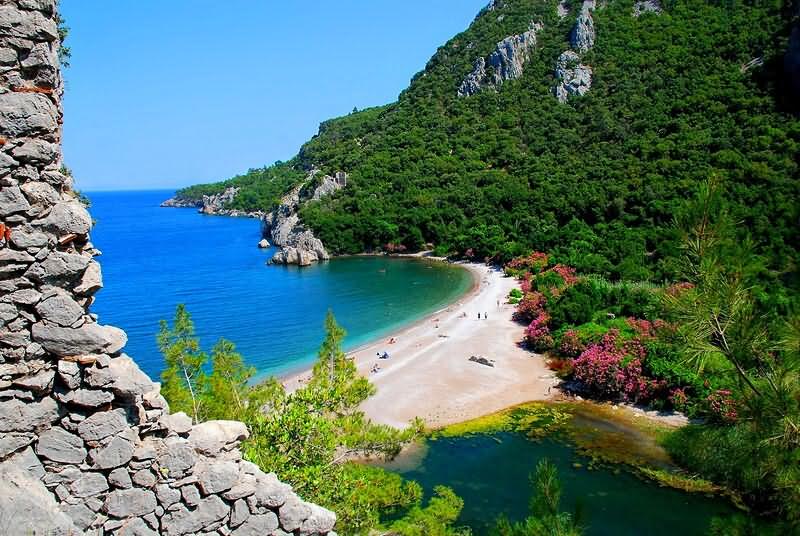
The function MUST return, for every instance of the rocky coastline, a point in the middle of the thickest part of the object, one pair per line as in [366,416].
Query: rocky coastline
[283,227]
[214,205]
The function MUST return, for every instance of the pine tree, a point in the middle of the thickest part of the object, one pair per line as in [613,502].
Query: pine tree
[183,372]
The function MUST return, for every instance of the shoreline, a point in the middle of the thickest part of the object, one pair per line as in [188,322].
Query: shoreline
[429,373]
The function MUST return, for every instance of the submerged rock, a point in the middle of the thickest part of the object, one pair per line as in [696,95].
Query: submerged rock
[506,62]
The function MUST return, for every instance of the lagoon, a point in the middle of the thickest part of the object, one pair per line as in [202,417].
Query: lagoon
[155,258]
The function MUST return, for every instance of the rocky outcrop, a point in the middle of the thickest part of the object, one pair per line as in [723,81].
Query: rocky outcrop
[562,9]
[177,202]
[647,6]
[506,62]
[214,204]
[297,244]
[87,443]
[573,77]
[583,33]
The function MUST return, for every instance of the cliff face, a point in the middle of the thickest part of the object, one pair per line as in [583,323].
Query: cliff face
[283,226]
[87,443]
[217,204]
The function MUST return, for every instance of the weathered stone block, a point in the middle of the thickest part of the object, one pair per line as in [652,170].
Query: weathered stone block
[102,424]
[119,451]
[212,437]
[257,525]
[11,199]
[26,114]
[59,308]
[18,416]
[129,502]
[89,484]
[119,478]
[58,445]
[88,339]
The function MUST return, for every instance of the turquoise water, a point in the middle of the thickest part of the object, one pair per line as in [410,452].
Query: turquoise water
[491,473]
[154,258]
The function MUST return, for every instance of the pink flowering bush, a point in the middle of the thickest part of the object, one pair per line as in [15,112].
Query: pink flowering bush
[571,345]
[613,368]
[679,399]
[538,333]
[530,306]
[678,288]
[647,330]
[533,263]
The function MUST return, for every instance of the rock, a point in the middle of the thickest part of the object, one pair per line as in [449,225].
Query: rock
[118,452]
[18,416]
[212,437]
[562,9]
[245,487]
[176,202]
[26,237]
[67,217]
[10,443]
[87,398]
[88,485]
[123,377]
[647,6]
[26,296]
[239,513]
[176,459]
[91,281]
[26,114]
[36,151]
[506,62]
[217,476]
[263,244]
[583,33]
[129,502]
[88,339]
[167,496]
[135,527]
[59,268]
[27,25]
[481,360]
[58,445]
[573,77]
[293,513]
[190,495]
[271,492]
[66,476]
[80,514]
[8,313]
[59,308]
[119,478]
[12,201]
[39,383]
[257,525]
[70,373]
[40,194]
[26,502]
[179,423]
[212,204]
[183,521]
[102,424]
[144,478]
[320,521]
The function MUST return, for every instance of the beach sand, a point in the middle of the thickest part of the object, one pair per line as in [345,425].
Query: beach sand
[429,374]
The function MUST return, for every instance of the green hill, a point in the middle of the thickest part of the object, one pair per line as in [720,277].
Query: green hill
[675,98]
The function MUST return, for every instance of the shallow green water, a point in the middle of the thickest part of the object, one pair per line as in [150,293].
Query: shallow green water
[491,473]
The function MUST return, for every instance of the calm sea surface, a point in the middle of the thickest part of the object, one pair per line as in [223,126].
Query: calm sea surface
[155,258]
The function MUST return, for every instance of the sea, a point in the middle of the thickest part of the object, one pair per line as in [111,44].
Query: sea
[155,258]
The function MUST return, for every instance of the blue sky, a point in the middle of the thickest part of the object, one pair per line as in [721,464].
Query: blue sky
[163,94]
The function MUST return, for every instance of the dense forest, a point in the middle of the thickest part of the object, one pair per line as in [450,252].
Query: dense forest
[596,181]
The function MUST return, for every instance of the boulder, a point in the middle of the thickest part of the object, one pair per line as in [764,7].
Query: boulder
[58,445]
[184,521]
[176,459]
[583,33]
[27,504]
[263,244]
[321,521]
[91,281]
[573,77]
[59,268]
[26,114]
[19,416]
[102,424]
[120,478]
[116,453]
[293,513]
[257,525]
[67,217]
[212,437]
[87,339]
[59,308]
[123,503]
[88,485]
[39,383]
[36,151]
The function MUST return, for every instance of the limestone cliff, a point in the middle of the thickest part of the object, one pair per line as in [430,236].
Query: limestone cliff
[87,442]
[572,77]
[216,204]
[297,244]
[506,62]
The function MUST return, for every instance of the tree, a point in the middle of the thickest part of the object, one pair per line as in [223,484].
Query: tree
[226,391]
[183,360]
[546,519]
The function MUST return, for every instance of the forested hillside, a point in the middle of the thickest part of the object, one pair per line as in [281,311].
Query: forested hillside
[676,98]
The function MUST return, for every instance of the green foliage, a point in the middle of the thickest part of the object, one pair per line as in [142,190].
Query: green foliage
[546,519]
[183,375]
[435,519]
[596,181]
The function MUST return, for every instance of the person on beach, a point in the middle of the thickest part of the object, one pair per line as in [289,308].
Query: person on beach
[486,316]
[479,316]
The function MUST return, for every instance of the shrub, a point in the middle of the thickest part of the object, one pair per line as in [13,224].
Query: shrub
[576,304]
[538,333]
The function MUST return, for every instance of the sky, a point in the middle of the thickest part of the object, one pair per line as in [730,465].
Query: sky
[164,94]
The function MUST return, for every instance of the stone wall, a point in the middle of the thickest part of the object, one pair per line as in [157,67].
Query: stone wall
[87,443]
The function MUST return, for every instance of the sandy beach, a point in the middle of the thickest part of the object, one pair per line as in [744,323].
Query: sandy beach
[429,374]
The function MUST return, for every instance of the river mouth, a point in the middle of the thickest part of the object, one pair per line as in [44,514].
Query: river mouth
[597,456]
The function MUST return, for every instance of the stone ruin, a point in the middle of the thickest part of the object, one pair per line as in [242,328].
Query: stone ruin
[87,443]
